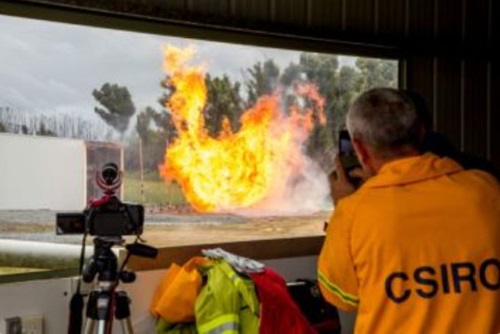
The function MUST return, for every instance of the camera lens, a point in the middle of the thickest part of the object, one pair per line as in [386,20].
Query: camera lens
[109,173]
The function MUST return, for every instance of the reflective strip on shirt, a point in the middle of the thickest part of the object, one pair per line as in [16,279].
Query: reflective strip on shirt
[344,296]
[228,328]
[227,324]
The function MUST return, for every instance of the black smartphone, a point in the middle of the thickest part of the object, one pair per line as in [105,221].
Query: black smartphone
[347,155]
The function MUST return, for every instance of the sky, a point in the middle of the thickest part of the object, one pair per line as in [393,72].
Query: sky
[53,67]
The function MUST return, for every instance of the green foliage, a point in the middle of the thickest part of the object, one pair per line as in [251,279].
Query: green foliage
[223,102]
[118,106]
[151,123]
[376,73]
[345,91]
[2,128]
[321,70]
[263,79]
[155,130]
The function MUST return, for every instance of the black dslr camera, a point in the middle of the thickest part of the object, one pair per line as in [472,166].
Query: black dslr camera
[107,216]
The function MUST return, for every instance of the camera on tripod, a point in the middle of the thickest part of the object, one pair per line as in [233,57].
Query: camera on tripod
[108,219]
[107,216]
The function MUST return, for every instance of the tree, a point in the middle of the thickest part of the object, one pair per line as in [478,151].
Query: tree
[223,101]
[155,129]
[2,128]
[164,119]
[264,79]
[345,91]
[376,73]
[320,69]
[142,124]
[118,106]
[154,136]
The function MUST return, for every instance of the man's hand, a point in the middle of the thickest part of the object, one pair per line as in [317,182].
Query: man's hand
[360,174]
[340,186]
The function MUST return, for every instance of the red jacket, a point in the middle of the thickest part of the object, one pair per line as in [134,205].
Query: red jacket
[278,311]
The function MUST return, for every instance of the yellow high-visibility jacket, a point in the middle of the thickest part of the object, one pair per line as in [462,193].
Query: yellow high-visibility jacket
[417,250]
[227,303]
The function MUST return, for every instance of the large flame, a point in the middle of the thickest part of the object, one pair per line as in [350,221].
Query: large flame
[236,170]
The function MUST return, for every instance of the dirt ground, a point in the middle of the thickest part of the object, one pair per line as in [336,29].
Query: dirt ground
[163,229]
[252,229]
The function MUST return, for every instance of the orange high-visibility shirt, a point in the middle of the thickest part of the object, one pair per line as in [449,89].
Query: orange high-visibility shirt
[417,250]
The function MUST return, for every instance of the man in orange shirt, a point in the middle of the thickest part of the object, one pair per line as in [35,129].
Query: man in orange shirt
[417,247]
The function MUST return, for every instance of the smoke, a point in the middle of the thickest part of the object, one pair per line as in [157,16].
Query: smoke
[298,192]
[299,189]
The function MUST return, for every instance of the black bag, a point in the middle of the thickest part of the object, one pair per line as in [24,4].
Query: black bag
[321,315]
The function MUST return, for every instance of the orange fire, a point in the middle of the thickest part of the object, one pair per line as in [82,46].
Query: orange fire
[239,169]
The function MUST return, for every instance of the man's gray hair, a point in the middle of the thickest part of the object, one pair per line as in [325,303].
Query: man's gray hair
[384,118]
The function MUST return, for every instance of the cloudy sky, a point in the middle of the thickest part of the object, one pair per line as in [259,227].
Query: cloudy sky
[52,67]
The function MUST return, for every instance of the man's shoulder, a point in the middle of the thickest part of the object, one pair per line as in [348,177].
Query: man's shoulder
[471,181]
[478,179]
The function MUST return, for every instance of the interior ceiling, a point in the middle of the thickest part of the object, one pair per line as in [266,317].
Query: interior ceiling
[467,27]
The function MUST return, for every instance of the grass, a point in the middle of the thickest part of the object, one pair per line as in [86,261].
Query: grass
[156,191]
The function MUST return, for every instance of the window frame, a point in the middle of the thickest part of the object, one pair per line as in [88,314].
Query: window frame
[274,247]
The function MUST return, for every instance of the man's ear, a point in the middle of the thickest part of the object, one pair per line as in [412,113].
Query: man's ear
[361,151]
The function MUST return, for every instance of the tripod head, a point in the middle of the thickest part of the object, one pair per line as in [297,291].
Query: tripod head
[104,263]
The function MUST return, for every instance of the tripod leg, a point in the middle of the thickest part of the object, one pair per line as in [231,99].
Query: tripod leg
[126,326]
[105,320]
[89,326]
[91,313]
[101,327]
[98,310]
[122,312]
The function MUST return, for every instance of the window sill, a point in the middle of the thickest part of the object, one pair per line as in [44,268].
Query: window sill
[257,238]
[254,249]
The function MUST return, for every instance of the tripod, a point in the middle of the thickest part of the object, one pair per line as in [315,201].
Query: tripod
[105,302]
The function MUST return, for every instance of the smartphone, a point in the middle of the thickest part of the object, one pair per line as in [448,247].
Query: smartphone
[347,155]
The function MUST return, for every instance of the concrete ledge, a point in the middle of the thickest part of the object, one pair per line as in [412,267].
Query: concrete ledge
[35,254]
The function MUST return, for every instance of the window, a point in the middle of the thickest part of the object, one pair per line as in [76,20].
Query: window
[217,141]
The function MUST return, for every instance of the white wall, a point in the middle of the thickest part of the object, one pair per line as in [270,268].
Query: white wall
[42,173]
[50,298]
